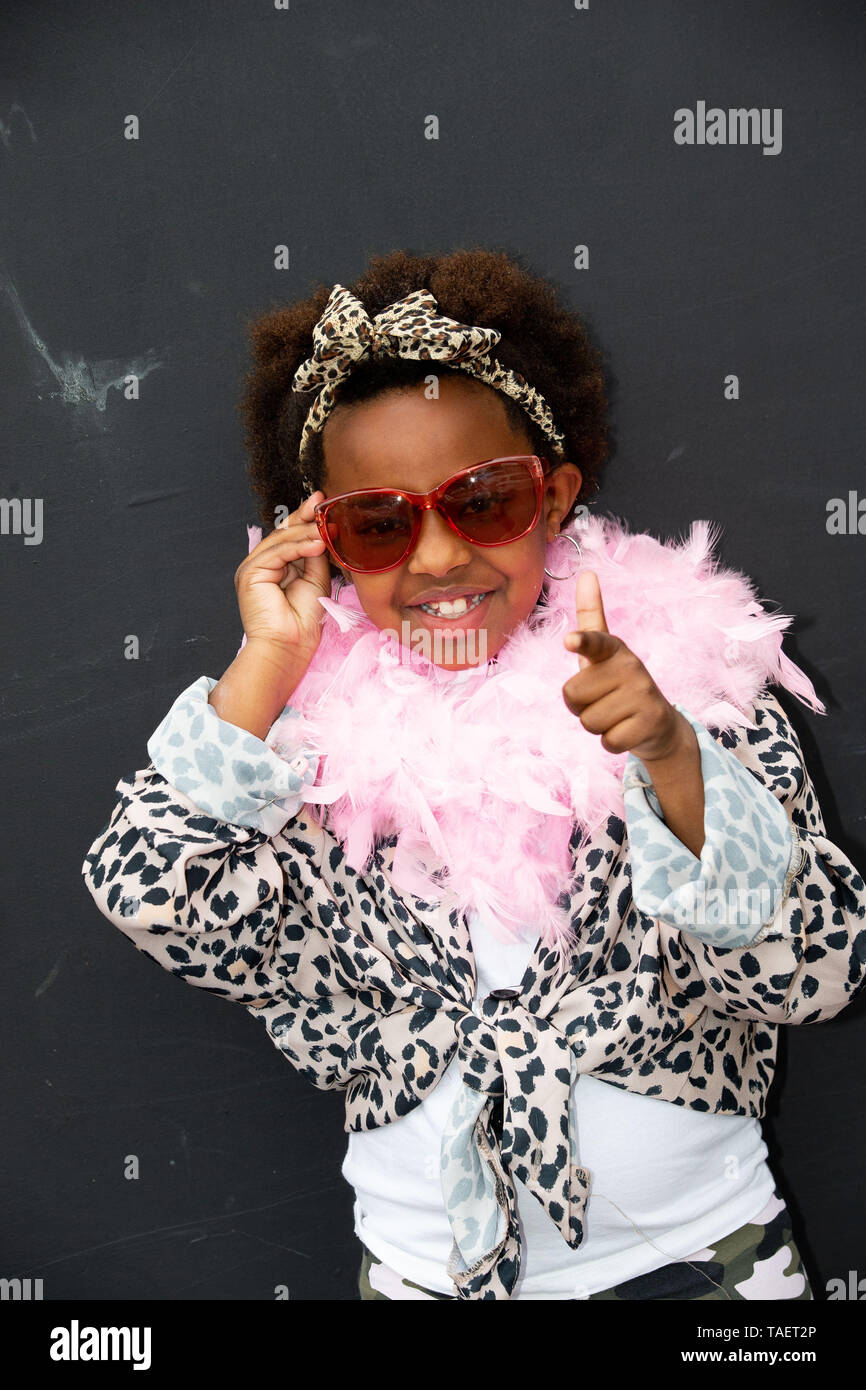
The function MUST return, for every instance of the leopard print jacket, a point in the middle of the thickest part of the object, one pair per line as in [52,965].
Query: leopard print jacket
[372,992]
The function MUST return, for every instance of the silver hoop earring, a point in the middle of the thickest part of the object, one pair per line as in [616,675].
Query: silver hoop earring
[341,579]
[576,545]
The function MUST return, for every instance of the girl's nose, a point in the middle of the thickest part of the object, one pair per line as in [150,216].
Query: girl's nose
[438,548]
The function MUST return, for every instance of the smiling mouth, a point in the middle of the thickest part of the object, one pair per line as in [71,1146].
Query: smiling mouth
[456,608]
[470,611]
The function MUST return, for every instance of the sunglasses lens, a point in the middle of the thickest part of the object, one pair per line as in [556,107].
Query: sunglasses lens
[493,504]
[370,532]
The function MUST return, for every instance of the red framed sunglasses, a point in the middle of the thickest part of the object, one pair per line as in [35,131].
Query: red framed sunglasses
[490,503]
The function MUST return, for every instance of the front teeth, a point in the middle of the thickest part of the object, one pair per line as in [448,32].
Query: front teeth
[455,609]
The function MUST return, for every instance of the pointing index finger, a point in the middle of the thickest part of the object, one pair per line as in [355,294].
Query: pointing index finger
[590,617]
[590,609]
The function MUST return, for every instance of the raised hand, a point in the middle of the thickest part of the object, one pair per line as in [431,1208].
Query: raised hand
[613,694]
[280,581]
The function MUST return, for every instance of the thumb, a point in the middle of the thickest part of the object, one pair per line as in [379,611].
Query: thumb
[317,572]
[308,577]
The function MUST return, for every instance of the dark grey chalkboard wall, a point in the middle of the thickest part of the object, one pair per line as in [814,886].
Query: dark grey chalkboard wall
[304,126]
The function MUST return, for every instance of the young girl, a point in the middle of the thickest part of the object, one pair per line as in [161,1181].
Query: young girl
[505,833]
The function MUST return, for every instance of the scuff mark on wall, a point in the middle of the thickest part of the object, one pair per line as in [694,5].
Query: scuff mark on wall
[51,976]
[6,125]
[81,382]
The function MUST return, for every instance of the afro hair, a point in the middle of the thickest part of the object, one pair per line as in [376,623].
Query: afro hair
[547,343]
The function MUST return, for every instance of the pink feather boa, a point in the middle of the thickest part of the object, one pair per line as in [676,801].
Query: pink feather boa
[484,772]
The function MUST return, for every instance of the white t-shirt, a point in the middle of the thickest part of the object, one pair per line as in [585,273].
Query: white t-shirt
[684,1177]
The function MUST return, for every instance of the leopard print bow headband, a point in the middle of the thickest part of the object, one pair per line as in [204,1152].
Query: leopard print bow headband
[412,328]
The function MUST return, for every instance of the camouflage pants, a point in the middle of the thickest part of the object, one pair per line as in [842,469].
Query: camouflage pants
[758,1261]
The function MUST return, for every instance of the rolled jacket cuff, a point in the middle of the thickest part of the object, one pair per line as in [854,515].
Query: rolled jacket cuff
[730,894]
[226,771]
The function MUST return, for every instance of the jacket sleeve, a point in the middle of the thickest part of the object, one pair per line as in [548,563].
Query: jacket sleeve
[770,922]
[186,867]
